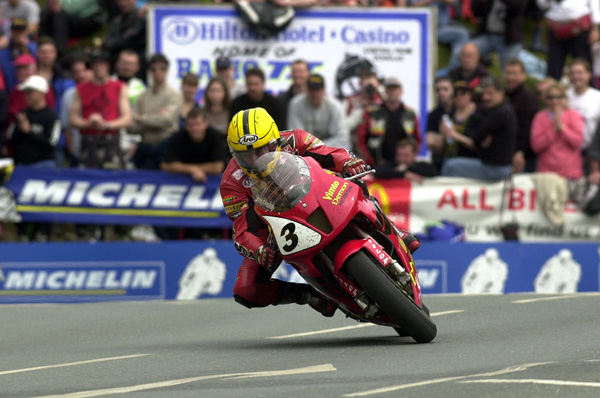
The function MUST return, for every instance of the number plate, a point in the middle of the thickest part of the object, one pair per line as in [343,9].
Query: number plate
[292,237]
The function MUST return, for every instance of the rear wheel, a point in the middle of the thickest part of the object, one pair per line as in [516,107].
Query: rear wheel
[413,321]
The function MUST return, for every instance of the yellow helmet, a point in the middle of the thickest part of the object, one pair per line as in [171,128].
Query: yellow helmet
[251,134]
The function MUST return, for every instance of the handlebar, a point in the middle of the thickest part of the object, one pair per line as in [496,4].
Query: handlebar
[360,175]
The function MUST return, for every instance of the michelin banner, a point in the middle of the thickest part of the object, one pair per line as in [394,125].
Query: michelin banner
[336,42]
[112,197]
[81,272]
[163,199]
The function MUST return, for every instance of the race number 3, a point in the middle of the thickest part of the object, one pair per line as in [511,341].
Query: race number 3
[291,236]
[287,232]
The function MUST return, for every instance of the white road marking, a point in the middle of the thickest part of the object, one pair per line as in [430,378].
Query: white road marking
[62,365]
[169,383]
[559,297]
[289,336]
[536,381]
[562,297]
[383,390]
[446,312]
[362,325]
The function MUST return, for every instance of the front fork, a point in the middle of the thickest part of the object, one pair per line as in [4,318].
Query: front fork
[405,280]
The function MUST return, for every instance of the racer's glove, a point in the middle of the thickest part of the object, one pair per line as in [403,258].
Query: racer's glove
[355,166]
[268,258]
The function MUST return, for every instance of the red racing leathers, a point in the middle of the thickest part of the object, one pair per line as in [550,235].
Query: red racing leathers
[254,286]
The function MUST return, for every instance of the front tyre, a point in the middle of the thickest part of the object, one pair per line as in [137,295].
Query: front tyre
[413,321]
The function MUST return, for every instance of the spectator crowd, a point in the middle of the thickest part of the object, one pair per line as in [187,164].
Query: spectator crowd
[108,105]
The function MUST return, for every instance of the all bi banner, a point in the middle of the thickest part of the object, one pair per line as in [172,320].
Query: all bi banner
[190,270]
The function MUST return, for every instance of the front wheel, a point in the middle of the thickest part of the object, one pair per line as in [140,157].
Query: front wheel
[390,299]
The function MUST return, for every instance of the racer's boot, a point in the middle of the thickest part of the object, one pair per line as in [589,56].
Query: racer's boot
[320,303]
[411,241]
[300,293]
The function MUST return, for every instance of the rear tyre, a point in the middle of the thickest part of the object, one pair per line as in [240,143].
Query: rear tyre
[413,321]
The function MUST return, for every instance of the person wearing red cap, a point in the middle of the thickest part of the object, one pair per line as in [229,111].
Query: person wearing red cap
[25,67]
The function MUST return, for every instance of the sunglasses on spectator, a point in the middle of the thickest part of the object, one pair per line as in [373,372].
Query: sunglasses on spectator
[442,89]
[161,68]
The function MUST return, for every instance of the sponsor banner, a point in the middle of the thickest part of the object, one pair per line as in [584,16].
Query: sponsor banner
[496,268]
[86,280]
[475,205]
[115,197]
[81,272]
[163,199]
[337,43]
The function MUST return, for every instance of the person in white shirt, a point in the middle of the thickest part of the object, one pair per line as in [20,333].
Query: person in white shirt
[29,10]
[572,30]
[583,98]
[320,114]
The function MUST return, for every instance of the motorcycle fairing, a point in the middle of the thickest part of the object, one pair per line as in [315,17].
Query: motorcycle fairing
[352,247]
[292,237]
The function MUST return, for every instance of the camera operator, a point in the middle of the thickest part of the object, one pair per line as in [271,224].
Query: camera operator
[371,93]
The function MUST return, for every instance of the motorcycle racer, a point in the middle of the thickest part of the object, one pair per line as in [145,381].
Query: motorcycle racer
[252,133]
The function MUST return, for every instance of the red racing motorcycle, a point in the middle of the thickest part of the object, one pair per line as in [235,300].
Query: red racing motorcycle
[339,240]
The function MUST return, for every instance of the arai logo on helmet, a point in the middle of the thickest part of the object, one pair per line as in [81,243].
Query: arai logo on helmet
[248,139]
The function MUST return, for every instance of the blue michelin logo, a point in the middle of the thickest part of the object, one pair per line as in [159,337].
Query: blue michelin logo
[72,281]
[181,31]
[433,276]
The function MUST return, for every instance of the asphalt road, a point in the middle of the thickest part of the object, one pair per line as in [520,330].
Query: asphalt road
[487,346]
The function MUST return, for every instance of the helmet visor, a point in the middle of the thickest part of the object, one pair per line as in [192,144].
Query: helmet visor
[247,159]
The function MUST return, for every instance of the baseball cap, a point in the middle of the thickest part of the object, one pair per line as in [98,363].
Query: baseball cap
[223,62]
[392,81]
[34,82]
[24,60]
[461,85]
[18,24]
[316,81]
[101,55]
